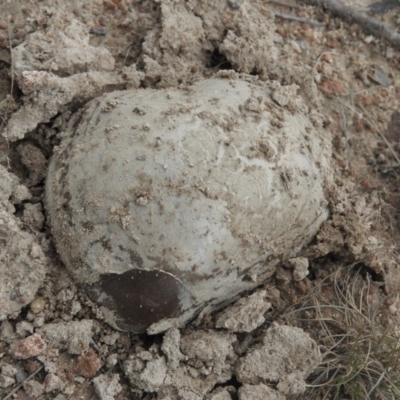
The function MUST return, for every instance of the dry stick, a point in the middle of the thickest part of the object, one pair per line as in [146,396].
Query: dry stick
[348,14]
[298,19]
[22,383]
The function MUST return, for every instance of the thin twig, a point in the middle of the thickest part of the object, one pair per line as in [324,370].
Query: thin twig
[298,19]
[348,14]
[22,383]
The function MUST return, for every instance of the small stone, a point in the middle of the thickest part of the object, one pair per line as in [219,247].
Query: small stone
[52,382]
[6,331]
[111,339]
[88,364]
[300,267]
[33,215]
[24,328]
[36,251]
[33,389]
[34,160]
[246,314]
[21,374]
[32,346]
[79,379]
[369,39]
[381,158]
[148,376]
[8,370]
[75,307]
[107,386]
[170,347]
[38,322]
[6,381]
[65,295]
[111,360]
[283,94]
[31,365]
[296,46]
[154,373]
[20,193]
[7,375]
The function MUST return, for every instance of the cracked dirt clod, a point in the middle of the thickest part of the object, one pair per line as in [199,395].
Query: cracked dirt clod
[164,203]
[206,359]
[107,386]
[72,71]
[65,42]
[246,314]
[73,336]
[287,356]
[22,262]
[259,392]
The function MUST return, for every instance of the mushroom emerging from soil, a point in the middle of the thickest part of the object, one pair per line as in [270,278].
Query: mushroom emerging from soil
[165,203]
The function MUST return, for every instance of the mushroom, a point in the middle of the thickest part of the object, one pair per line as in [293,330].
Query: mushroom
[171,202]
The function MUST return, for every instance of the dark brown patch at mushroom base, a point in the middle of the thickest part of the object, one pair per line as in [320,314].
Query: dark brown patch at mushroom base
[139,297]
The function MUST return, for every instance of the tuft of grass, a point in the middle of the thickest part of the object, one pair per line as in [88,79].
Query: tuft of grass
[358,336]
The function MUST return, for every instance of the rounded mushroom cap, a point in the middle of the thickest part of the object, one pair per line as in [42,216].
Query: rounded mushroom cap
[166,202]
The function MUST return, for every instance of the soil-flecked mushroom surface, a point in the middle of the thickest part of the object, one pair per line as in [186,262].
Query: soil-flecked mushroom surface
[198,200]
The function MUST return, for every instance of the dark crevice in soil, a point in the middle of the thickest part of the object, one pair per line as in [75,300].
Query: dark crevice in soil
[218,61]
[366,272]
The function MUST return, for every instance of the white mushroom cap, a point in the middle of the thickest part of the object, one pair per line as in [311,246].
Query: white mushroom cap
[166,202]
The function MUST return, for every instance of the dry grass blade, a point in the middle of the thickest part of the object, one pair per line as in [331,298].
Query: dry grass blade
[361,358]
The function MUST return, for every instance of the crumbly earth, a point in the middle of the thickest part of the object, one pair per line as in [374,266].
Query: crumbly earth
[64,55]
